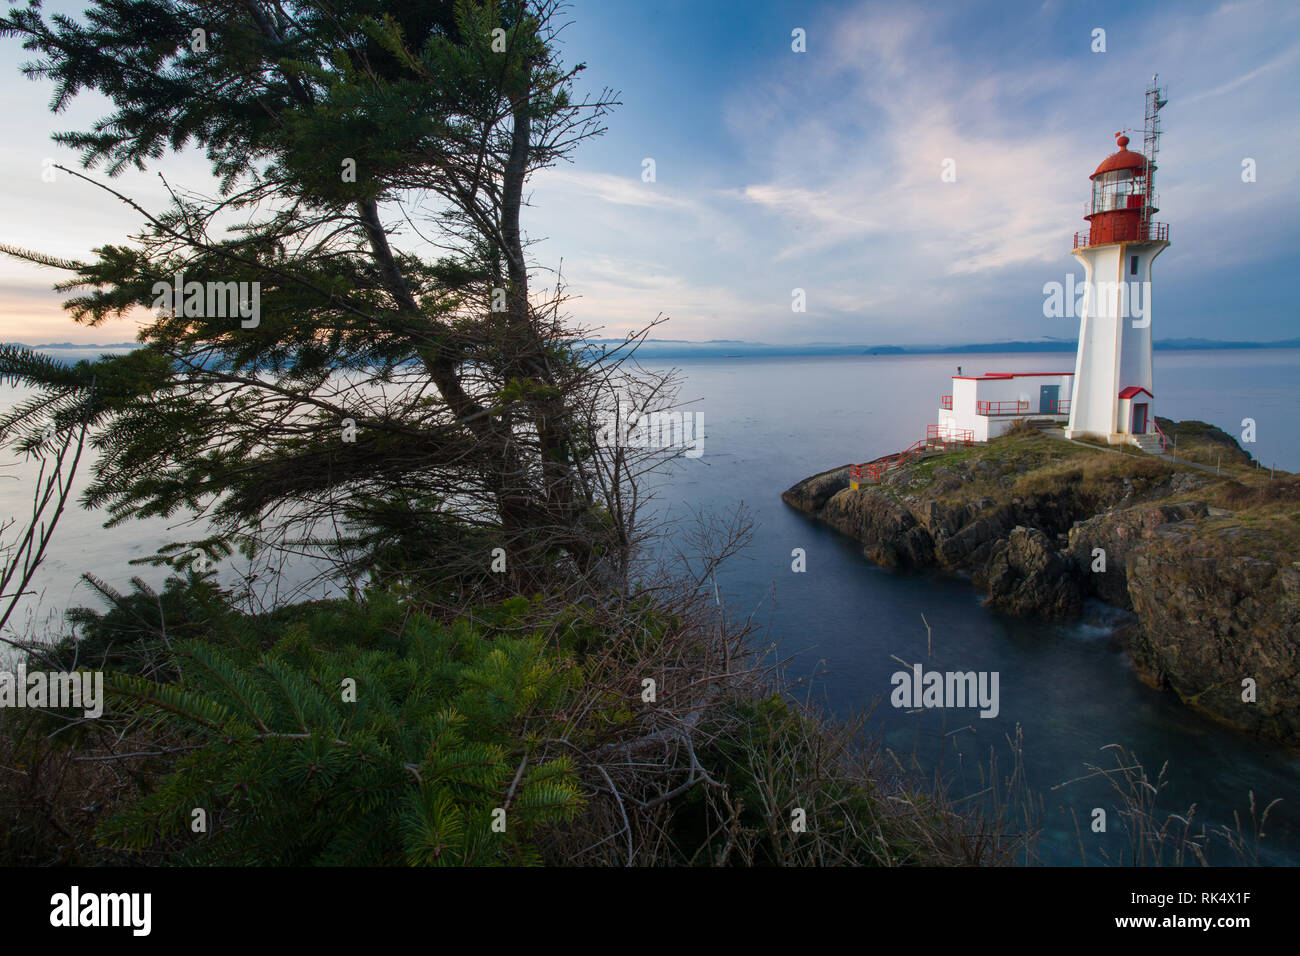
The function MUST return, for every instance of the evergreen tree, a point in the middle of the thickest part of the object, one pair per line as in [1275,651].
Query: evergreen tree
[362,736]
[437,405]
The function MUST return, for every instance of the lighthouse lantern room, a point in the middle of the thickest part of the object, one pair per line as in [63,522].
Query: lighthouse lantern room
[1113,389]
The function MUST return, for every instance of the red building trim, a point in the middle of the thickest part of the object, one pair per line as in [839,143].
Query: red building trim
[1132,390]
[994,376]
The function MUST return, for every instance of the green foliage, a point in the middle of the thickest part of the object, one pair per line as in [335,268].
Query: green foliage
[290,772]
[318,121]
[133,635]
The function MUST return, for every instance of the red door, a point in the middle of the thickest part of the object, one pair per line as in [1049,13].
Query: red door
[1139,418]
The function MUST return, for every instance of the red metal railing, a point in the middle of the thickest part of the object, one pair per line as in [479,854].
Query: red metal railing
[1001,408]
[948,436]
[945,401]
[1164,440]
[937,437]
[877,469]
[1154,231]
[1060,406]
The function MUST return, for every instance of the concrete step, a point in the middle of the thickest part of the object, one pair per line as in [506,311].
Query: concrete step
[1149,444]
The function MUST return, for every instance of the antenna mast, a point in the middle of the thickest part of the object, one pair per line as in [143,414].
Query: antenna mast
[1156,99]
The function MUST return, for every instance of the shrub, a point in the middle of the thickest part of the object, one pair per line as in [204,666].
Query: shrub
[288,769]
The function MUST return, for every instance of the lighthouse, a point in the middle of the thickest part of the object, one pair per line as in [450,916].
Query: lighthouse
[1113,390]
[1110,394]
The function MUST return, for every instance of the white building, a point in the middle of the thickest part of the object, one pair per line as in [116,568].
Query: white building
[984,406]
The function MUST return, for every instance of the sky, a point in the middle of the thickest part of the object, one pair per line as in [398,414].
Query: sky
[822,170]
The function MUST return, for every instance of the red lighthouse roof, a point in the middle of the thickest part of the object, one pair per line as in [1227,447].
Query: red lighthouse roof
[1133,391]
[1124,159]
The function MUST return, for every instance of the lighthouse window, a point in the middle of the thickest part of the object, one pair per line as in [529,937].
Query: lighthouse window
[1132,265]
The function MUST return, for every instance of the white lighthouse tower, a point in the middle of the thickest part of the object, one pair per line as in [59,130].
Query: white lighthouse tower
[1113,390]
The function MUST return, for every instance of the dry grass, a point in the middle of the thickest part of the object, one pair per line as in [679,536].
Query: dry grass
[1260,493]
[713,774]
[1268,510]
[1020,426]
[707,773]
[57,780]
[1098,473]
[1158,837]
[1206,445]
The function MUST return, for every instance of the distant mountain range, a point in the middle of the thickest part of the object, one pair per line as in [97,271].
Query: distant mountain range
[75,345]
[681,348]
[737,348]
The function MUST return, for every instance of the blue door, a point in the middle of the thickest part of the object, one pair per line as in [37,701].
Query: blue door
[1047,398]
[1139,418]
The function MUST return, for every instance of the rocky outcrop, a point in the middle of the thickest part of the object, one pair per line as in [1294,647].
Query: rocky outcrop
[1213,618]
[970,544]
[1210,611]
[890,534]
[1103,546]
[1022,566]
[1026,575]
[811,494]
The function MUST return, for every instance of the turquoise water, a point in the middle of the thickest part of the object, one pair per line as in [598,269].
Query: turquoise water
[769,422]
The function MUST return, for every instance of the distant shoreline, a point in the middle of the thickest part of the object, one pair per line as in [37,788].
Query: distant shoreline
[733,349]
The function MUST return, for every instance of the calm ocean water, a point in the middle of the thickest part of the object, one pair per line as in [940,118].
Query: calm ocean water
[769,422]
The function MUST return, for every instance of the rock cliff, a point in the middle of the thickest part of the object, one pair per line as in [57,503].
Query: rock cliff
[1206,562]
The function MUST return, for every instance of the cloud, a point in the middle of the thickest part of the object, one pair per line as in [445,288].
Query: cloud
[864,202]
[618,190]
[846,146]
[822,171]
[1281,60]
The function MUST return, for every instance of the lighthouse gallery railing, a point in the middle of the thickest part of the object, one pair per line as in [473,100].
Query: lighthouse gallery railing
[1154,232]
